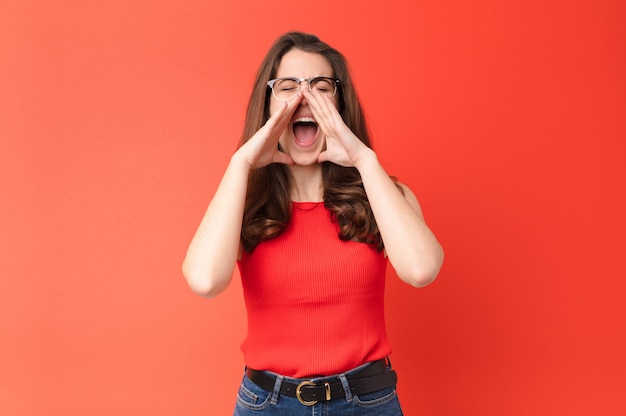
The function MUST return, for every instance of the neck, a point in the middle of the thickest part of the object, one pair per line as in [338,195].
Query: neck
[306,185]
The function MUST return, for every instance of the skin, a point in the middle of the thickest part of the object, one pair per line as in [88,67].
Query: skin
[411,247]
[302,65]
[305,170]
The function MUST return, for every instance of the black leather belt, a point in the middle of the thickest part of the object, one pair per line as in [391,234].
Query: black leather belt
[368,380]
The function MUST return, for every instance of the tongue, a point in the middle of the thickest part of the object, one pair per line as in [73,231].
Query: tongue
[305,133]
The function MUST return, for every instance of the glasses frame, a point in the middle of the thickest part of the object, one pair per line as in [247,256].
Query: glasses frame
[271,83]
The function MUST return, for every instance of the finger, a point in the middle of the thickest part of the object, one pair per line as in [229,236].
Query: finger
[278,115]
[320,113]
[324,103]
[286,111]
[324,110]
[277,123]
[331,108]
[293,104]
[313,99]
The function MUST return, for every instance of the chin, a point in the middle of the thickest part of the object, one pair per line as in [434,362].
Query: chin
[306,160]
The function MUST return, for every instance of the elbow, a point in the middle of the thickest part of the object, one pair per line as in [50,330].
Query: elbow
[423,273]
[203,289]
[418,279]
[204,284]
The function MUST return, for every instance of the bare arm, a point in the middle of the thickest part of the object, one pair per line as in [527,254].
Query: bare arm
[212,254]
[413,250]
[211,257]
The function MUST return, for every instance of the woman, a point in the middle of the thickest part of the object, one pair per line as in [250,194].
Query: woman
[311,217]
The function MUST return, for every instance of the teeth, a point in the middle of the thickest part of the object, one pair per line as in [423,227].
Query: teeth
[305,120]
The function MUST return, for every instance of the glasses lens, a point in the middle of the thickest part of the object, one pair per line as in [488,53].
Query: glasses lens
[324,86]
[285,89]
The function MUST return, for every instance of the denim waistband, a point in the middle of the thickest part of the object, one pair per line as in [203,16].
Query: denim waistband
[365,378]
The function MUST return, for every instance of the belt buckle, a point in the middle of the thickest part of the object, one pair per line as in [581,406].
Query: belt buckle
[310,383]
[299,393]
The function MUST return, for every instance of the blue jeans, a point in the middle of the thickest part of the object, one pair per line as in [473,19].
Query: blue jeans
[252,400]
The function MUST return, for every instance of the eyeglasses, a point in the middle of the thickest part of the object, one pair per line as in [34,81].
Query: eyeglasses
[285,89]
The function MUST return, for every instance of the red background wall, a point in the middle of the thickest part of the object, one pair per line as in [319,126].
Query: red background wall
[118,118]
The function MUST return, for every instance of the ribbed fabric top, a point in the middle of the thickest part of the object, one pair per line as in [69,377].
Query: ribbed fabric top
[314,302]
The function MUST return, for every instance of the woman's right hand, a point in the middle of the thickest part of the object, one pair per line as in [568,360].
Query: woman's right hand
[262,148]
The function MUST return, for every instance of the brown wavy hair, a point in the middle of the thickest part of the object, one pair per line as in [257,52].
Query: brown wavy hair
[268,207]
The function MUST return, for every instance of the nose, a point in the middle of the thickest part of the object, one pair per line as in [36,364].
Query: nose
[303,101]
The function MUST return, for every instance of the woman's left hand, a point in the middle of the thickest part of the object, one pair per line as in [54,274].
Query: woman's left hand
[343,147]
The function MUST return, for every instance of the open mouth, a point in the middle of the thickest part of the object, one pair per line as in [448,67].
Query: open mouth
[305,130]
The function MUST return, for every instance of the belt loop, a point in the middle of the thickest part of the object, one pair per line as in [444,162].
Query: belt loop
[346,387]
[276,392]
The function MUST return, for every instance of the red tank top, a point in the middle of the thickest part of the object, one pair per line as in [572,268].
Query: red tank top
[314,302]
